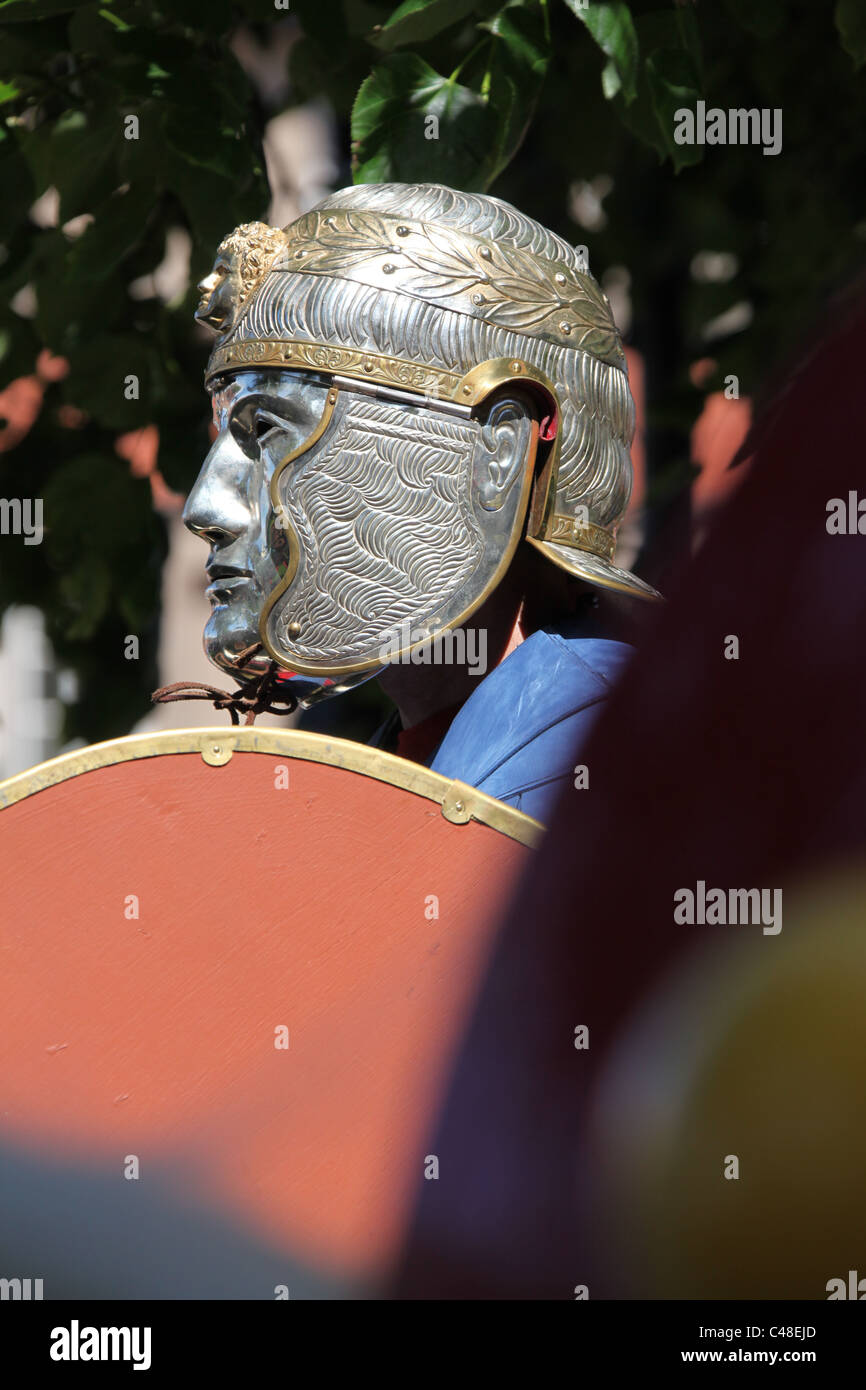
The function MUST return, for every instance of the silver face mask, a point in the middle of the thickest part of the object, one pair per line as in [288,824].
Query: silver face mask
[255,414]
[348,526]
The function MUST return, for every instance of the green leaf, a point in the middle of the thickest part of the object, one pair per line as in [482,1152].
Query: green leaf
[674,28]
[117,227]
[214,204]
[97,379]
[69,305]
[673,84]
[90,32]
[516,69]
[520,30]
[115,19]
[85,594]
[94,507]
[410,124]
[74,154]
[611,82]
[612,27]
[16,180]
[191,134]
[416,20]
[851,22]
[668,79]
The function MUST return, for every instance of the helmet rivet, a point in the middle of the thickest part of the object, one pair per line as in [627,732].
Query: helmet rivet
[402,231]
[516,366]
[294,629]
[467,390]
[565,327]
[485,253]
[559,278]
[368,366]
[478,299]
[388,269]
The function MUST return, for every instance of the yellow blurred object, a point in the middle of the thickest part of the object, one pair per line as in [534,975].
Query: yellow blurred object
[751,1061]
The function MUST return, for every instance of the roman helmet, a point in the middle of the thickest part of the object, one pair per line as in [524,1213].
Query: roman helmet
[472,392]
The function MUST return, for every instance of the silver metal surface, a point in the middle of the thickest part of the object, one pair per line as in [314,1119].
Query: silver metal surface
[259,416]
[387,393]
[379,371]
[402,518]
[392,524]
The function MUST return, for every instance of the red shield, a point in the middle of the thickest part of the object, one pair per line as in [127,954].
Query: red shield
[247,956]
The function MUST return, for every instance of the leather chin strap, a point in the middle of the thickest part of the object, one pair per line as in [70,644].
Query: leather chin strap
[257,696]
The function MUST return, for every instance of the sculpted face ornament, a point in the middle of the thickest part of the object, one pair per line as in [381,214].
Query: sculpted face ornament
[242,259]
[406,382]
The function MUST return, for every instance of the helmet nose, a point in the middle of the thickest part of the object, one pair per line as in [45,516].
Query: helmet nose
[217,509]
[213,534]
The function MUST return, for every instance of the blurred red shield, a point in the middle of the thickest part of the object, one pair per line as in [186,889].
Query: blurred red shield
[247,956]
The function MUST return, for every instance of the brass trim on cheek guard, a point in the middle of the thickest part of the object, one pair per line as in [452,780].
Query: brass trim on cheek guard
[478,384]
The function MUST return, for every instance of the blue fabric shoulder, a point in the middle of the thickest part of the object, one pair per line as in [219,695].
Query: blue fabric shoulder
[519,734]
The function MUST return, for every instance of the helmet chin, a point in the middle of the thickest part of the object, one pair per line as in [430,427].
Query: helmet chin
[312,690]
[232,643]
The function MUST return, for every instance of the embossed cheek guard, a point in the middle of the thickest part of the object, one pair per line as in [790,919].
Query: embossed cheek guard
[393,521]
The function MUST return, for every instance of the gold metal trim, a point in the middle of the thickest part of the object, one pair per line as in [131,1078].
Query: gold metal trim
[458,802]
[305,355]
[584,535]
[479,382]
[596,570]
[218,753]
[243,258]
[400,373]
[485,278]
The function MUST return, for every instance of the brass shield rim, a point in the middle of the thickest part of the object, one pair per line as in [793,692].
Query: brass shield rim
[458,802]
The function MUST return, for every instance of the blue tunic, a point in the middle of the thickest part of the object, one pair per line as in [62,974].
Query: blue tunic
[519,735]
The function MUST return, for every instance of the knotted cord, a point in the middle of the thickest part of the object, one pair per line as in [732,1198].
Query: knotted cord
[257,696]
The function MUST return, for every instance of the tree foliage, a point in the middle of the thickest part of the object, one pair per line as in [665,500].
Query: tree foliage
[578,90]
